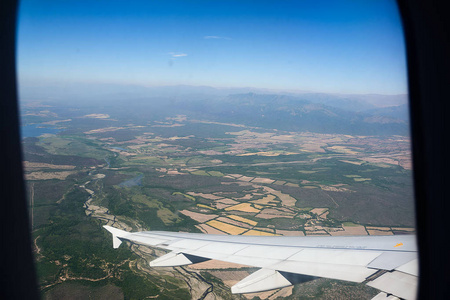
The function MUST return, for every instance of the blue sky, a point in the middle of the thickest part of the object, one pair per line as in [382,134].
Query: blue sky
[322,46]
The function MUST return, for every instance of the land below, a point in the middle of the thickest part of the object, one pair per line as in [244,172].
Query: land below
[185,167]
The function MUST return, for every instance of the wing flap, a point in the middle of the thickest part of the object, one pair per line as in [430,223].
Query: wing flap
[174,259]
[334,271]
[411,267]
[384,296]
[391,260]
[259,281]
[397,283]
[243,260]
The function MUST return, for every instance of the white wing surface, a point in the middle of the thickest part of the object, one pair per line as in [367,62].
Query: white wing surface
[388,263]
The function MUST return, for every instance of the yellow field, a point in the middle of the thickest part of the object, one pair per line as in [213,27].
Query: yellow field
[342,149]
[205,206]
[257,232]
[360,162]
[241,219]
[260,154]
[286,199]
[362,179]
[206,196]
[228,228]
[268,200]
[187,196]
[245,207]
[404,229]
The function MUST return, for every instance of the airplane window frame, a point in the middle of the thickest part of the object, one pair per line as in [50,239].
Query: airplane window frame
[426,34]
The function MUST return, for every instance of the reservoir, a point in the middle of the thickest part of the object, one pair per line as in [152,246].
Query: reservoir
[35,130]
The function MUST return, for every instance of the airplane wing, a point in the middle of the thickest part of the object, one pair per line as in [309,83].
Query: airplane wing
[387,263]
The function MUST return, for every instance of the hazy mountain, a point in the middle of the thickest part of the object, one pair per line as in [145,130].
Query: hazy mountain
[283,112]
[108,91]
[296,114]
[315,112]
[397,112]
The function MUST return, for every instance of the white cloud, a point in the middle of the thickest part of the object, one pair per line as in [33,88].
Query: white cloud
[176,55]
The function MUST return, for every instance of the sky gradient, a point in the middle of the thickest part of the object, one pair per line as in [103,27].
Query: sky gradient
[319,46]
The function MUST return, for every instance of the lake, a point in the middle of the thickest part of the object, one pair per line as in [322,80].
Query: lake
[35,130]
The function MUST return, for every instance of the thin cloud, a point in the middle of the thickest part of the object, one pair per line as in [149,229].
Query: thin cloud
[216,37]
[176,55]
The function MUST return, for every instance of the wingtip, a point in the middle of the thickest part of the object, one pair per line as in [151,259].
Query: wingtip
[109,228]
[116,233]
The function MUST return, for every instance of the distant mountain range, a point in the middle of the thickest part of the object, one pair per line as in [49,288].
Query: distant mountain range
[367,114]
[300,113]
